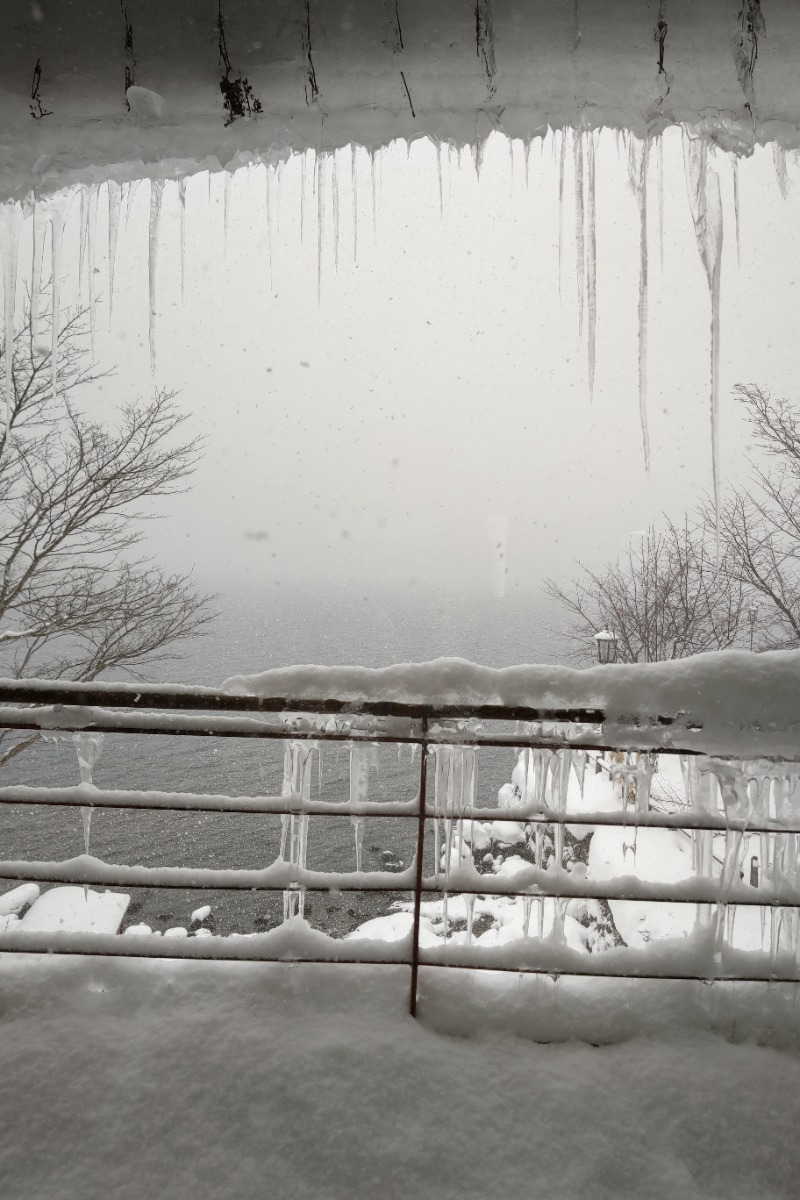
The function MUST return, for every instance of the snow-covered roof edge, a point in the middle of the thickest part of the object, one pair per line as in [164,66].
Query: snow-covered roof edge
[288,76]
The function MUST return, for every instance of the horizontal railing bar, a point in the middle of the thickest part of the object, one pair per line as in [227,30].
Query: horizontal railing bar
[133,801]
[649,820]
[214,879]
[556,973]
[97,798]
[198,949]
[182,697]
[102,721]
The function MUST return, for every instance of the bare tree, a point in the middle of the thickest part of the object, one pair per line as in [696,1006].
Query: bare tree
[670,595]
[76,599]
[760,524]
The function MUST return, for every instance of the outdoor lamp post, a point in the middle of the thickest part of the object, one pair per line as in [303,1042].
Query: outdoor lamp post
[606,646]
[752,613]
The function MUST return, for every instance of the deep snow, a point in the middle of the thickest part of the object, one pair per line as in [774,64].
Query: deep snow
[177,1080]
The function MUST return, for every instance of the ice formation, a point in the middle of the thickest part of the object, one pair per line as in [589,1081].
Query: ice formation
[156,193]
[10,221]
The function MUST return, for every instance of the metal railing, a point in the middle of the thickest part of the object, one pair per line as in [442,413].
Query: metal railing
[183,711]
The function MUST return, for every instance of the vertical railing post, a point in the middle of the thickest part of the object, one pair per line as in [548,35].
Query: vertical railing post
[420,853]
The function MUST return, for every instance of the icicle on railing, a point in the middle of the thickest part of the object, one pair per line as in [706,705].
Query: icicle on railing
[156,193]
[363,757]
[455,780]
[10,222]
[297,759]
[88,747]
[705,203]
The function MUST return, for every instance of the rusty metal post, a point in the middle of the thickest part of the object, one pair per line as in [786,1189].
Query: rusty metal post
[420,852]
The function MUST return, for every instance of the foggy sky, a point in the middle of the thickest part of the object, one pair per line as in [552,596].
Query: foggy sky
[383,417]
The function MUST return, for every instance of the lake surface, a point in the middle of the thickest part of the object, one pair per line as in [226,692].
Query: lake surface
[252,634]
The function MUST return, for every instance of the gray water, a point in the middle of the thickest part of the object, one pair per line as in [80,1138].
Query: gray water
[252,634]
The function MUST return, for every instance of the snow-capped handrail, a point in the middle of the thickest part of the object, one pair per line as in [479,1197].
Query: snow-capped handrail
[301,719]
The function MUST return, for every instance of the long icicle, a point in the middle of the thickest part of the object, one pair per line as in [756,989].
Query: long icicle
[580,237]
[643,302]
[320,219]
[156,190]
[57,218]
[335,194]
[354,190]
[735,165]
[660,151]
[37,248]
[10,221]
[591,262]
[705,202]
[114,205]
[182,211]
[91,230]
[561,163]
[268,205]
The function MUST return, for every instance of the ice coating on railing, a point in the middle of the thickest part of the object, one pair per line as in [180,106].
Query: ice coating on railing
[363,759]
[297,761]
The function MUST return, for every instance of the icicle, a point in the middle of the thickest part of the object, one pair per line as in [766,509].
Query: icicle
[268,206]
[354,190]
[156,190]
[114,203]
[335,190]
[363,756]
[469,903]
[226,204]
[57,218]
[82,242]
[643,302]
[735,166]
[439,176]
[302,196]
[132,189]
[579,767]
[320,221]
[561,162]
[527,902]
[91,231]
[591,263]
[706,206]
[88,747]
[374,196]
[37,249]
[182,216]
[580,240]
[10,221]
[660,152]
[294,826]
[779,159]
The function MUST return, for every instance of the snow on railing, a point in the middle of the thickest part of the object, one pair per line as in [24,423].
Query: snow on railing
[732,800]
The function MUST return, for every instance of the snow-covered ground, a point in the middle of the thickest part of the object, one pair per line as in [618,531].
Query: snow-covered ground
[177,1080]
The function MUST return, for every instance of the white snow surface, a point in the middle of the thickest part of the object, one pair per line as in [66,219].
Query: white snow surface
[174,1080]
[730,702]
[75,910]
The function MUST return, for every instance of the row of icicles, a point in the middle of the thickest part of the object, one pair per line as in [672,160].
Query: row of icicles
[703,186]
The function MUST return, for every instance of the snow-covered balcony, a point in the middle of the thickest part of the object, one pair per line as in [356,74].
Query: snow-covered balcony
[216,914]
